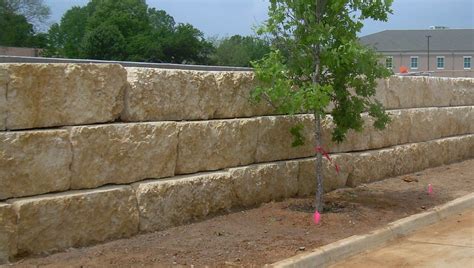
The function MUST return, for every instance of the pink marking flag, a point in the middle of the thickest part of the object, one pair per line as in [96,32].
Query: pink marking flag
[316,217]
[430,189]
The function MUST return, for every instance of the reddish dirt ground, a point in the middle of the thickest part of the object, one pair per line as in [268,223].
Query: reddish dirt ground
[276,230]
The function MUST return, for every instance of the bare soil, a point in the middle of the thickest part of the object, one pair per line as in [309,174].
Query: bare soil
[276,230]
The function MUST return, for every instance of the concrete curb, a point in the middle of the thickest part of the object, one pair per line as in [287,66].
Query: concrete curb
[339,250]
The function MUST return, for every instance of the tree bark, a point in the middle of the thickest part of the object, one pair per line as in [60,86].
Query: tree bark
[319,204]
[319,166]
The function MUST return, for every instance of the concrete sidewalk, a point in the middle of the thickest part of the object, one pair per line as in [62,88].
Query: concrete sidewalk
[449,243]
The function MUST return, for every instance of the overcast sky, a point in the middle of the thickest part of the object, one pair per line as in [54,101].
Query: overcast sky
[229,17]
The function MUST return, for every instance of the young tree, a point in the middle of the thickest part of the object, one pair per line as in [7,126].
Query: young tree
[316,60]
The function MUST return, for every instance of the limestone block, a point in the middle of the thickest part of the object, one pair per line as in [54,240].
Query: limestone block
[459,148]
[74,219]
[8,233]
[234,89]
[461,90]
[331,178]
[399,92]
[4,79]
[409,158]
[370,166]
[355,141]
[168,203]
[157,94]
[275,138]
[34,162]
[45,95]
[122,153]
[212,145]
[411,92]
[261,183]
[435,152]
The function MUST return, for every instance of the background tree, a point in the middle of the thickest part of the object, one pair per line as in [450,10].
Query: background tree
[187,45]
[104,42]
[317,60]
[35,11]
[240,50]
[17,29]
[142,33]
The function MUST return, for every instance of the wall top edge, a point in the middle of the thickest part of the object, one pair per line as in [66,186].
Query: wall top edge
[20,59]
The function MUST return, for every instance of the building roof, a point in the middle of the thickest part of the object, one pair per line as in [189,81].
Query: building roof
[416,40]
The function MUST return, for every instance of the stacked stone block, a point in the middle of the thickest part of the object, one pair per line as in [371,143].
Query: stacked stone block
[90,153]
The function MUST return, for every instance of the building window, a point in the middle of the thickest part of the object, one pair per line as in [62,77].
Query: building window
[467,62]
[414,62]
[440,62]
[389,62]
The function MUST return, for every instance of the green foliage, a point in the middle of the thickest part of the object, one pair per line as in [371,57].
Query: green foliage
[316,60]
[34,11]
[240,50]
[187,45]
[16,29]
[104,42]
[139,34]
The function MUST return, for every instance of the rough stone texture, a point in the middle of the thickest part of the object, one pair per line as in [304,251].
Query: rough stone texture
[34,162]
[274,138]
[261,183]
[8,233]
[158,94]
[122,153]
[399,92]
[379,164]
[234,88]
[332,179]
[168,203]
[212,145]
[56,222]
[4,79]
[45,95]
[407,126]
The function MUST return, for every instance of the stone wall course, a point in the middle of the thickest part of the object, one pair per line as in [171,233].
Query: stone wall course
[122,153]
[375,165]
[34,162]
[160,94]
[56,222]
[401,92]
[48,95]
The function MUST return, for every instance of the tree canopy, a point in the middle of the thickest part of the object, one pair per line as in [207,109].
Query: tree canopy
[240,50]
[121,30]
[19,20]
[126,30]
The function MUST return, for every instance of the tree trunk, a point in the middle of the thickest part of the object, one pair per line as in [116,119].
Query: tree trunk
[319,166]
[320,9]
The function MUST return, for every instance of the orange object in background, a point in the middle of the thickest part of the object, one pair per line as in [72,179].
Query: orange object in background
[403,69]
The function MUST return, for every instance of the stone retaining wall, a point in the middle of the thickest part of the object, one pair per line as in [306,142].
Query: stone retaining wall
[90,153]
